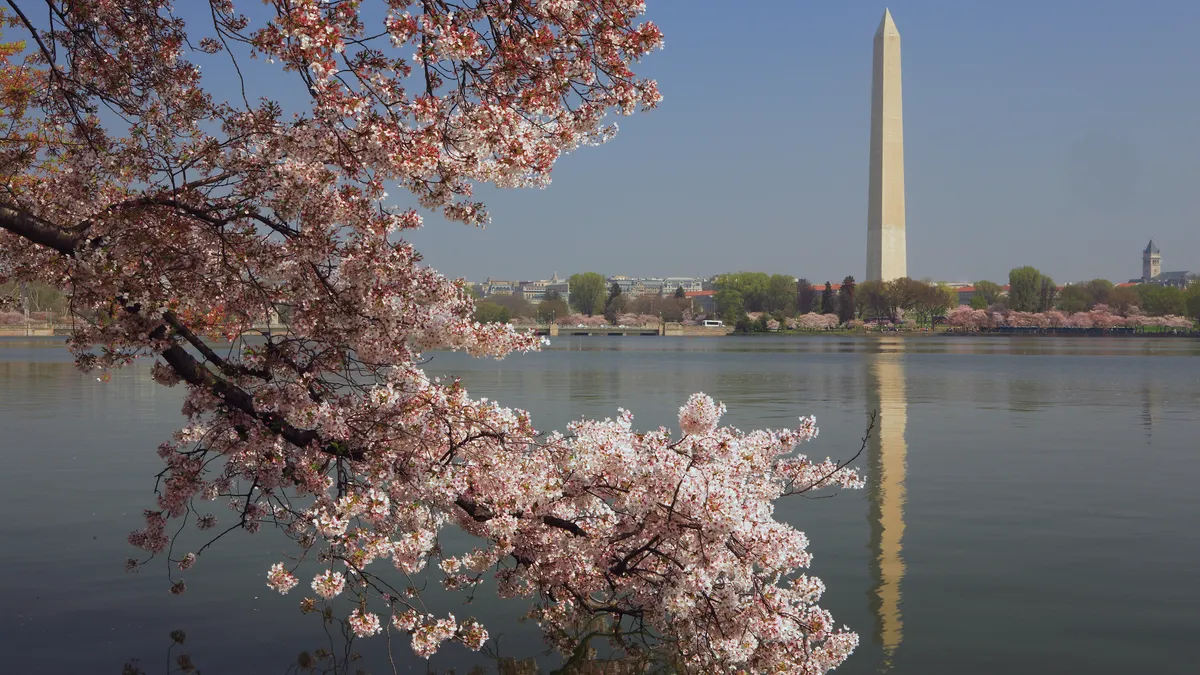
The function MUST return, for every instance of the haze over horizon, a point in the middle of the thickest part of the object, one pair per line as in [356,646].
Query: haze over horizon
[1059,135]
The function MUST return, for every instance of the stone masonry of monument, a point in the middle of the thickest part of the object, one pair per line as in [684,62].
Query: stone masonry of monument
[887,255]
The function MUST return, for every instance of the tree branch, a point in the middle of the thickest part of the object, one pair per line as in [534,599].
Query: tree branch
[482,515]
[195,340]
[193,372]
[37,230]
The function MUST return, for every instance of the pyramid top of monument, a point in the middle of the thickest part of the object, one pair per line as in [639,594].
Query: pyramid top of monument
[887,26]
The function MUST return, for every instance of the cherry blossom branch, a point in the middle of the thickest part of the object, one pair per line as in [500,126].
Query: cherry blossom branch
[840,466]
[37,230]
[482,515]
[200,215]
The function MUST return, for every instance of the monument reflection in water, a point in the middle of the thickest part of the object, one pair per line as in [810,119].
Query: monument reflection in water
[886,466]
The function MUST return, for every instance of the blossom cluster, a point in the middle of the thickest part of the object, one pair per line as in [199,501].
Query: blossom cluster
[677,530]
[813,321]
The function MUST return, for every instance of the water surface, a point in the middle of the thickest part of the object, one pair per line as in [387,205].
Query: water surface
[1031,505]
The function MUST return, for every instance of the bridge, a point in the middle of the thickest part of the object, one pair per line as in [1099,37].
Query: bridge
[600,330]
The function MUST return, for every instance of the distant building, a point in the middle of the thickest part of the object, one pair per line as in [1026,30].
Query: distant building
[1151,262]
[662,286]
[629,286]
[653,286]
[1152,270]
[498,287]
[820,288]
[688,284]
[535,291]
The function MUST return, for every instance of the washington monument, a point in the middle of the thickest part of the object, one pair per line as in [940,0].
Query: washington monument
[887,257]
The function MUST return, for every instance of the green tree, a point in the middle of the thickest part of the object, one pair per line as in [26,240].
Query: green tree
[846,302]
[990,291]
[588,293]
[1100,290]
[978,302]
[490,312]
[1029,290]
[680,294]
[731,306]
[1047,294]
[1074,298]
[1162,300]
[753,287]
[871,300]
[1193,300]
[781,294]
[827,299]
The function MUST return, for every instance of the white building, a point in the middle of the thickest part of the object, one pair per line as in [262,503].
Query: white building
[663,286]
[689,284]
[535,291]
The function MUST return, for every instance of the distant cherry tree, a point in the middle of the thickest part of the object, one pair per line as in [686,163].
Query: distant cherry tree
[1100,317]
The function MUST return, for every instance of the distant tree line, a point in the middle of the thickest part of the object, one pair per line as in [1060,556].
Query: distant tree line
[590,295]
[751,300]
[1031,291]
[778,298]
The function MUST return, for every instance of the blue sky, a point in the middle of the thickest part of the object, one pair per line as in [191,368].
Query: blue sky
[1060,134]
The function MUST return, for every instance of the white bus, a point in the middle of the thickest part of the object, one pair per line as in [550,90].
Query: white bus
[709,323]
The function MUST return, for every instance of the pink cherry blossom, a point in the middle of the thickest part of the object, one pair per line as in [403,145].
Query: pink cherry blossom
[279,579]
[700,414]
[364,624]
[328,584]
[177,218]
[428,637]
[815,321]
[1100,317]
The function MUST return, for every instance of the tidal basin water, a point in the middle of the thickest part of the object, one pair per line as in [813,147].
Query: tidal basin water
[1032,502]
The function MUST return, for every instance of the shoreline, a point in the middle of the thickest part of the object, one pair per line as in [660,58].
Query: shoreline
[700,332]
[1091,333]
